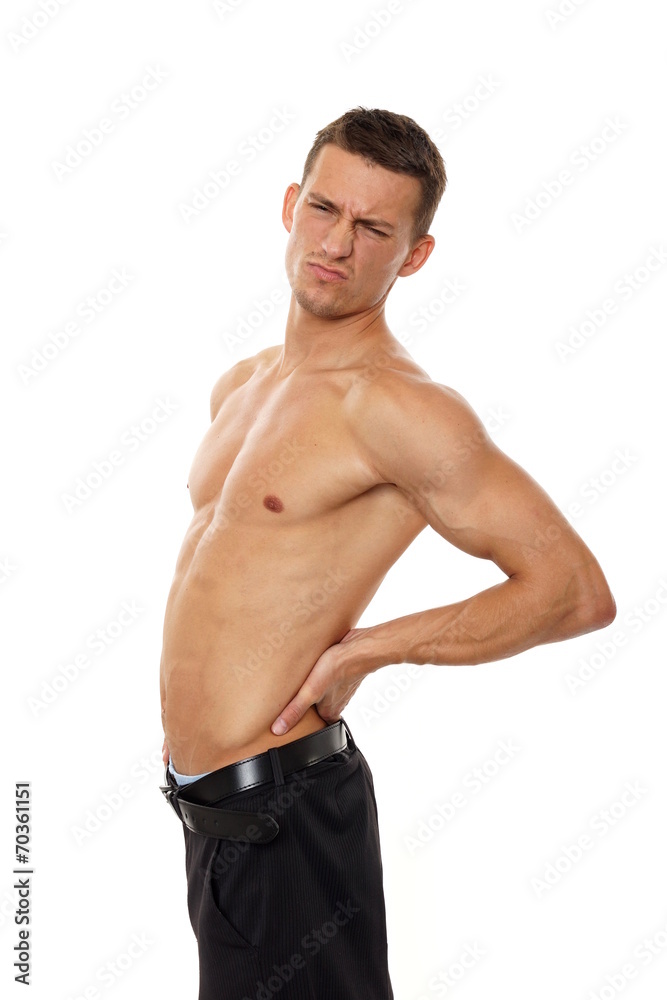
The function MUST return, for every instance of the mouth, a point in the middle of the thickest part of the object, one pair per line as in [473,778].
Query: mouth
[327,273]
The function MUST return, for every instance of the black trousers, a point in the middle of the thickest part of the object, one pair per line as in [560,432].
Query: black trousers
[301,917]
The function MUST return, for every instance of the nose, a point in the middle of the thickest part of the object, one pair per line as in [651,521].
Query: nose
[337,241]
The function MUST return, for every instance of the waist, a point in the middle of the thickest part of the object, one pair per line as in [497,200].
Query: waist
[203,747]
[220,697]
[269,766]
[204,804]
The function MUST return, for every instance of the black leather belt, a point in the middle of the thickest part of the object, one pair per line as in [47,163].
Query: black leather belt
[194,803]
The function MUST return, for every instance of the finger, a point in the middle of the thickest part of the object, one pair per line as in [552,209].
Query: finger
[293,712]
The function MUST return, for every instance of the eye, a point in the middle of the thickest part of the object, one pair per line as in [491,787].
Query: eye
[321,208]
[376,232]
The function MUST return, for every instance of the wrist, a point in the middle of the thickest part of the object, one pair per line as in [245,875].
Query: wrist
[372,648]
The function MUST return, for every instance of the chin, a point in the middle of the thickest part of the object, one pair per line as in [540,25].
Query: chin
[325,310]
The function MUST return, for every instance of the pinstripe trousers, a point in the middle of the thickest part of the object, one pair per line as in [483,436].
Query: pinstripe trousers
[303,916]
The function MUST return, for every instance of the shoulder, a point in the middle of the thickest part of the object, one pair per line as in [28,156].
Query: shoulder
[399,393]
[388,380]
[238,374]
[405,421]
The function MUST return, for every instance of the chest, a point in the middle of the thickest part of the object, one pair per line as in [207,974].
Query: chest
[288,451]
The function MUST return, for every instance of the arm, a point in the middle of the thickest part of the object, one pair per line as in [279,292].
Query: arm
[425,439]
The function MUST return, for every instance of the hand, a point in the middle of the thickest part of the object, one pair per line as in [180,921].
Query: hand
[165,752]
[330,684]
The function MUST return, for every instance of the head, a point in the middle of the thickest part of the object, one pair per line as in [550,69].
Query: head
[370,187]
[394,142]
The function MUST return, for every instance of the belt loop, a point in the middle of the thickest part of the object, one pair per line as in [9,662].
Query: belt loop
[276,766]
[349,734]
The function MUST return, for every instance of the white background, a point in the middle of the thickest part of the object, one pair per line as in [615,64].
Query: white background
[514,96]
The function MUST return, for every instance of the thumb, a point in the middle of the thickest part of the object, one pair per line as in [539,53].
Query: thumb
[293,712]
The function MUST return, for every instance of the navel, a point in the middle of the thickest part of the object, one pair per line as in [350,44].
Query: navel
[273,503]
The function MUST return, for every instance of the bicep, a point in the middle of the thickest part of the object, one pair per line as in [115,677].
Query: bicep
[489,507]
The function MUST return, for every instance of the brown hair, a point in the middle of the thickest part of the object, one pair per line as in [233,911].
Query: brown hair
[392,141]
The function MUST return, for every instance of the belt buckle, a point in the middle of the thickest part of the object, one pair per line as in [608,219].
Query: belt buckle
[169,790]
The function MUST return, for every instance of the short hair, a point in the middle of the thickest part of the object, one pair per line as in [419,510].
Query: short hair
[392,141]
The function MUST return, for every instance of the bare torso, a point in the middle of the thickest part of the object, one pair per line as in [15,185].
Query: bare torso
[292,533]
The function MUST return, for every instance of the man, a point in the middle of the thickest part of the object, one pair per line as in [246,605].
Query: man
[326,456]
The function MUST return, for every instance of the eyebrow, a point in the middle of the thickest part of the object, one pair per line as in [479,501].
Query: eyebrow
[368,222]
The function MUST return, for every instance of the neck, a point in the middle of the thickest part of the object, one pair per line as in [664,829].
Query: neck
[321,342]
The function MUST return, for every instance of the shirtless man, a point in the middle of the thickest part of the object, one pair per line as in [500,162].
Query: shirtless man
[326,456]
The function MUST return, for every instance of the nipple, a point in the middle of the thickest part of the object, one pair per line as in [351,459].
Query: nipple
[273,503]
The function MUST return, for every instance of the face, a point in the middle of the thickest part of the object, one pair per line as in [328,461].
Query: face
[350,232]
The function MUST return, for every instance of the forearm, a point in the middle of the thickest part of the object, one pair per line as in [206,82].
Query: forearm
[499,622]
[524,611]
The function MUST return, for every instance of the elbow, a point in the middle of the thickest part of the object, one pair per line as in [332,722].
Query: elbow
[598,612]
[595,605]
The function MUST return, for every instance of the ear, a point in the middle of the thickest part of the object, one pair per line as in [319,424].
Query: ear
[418,256]
[289,201]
